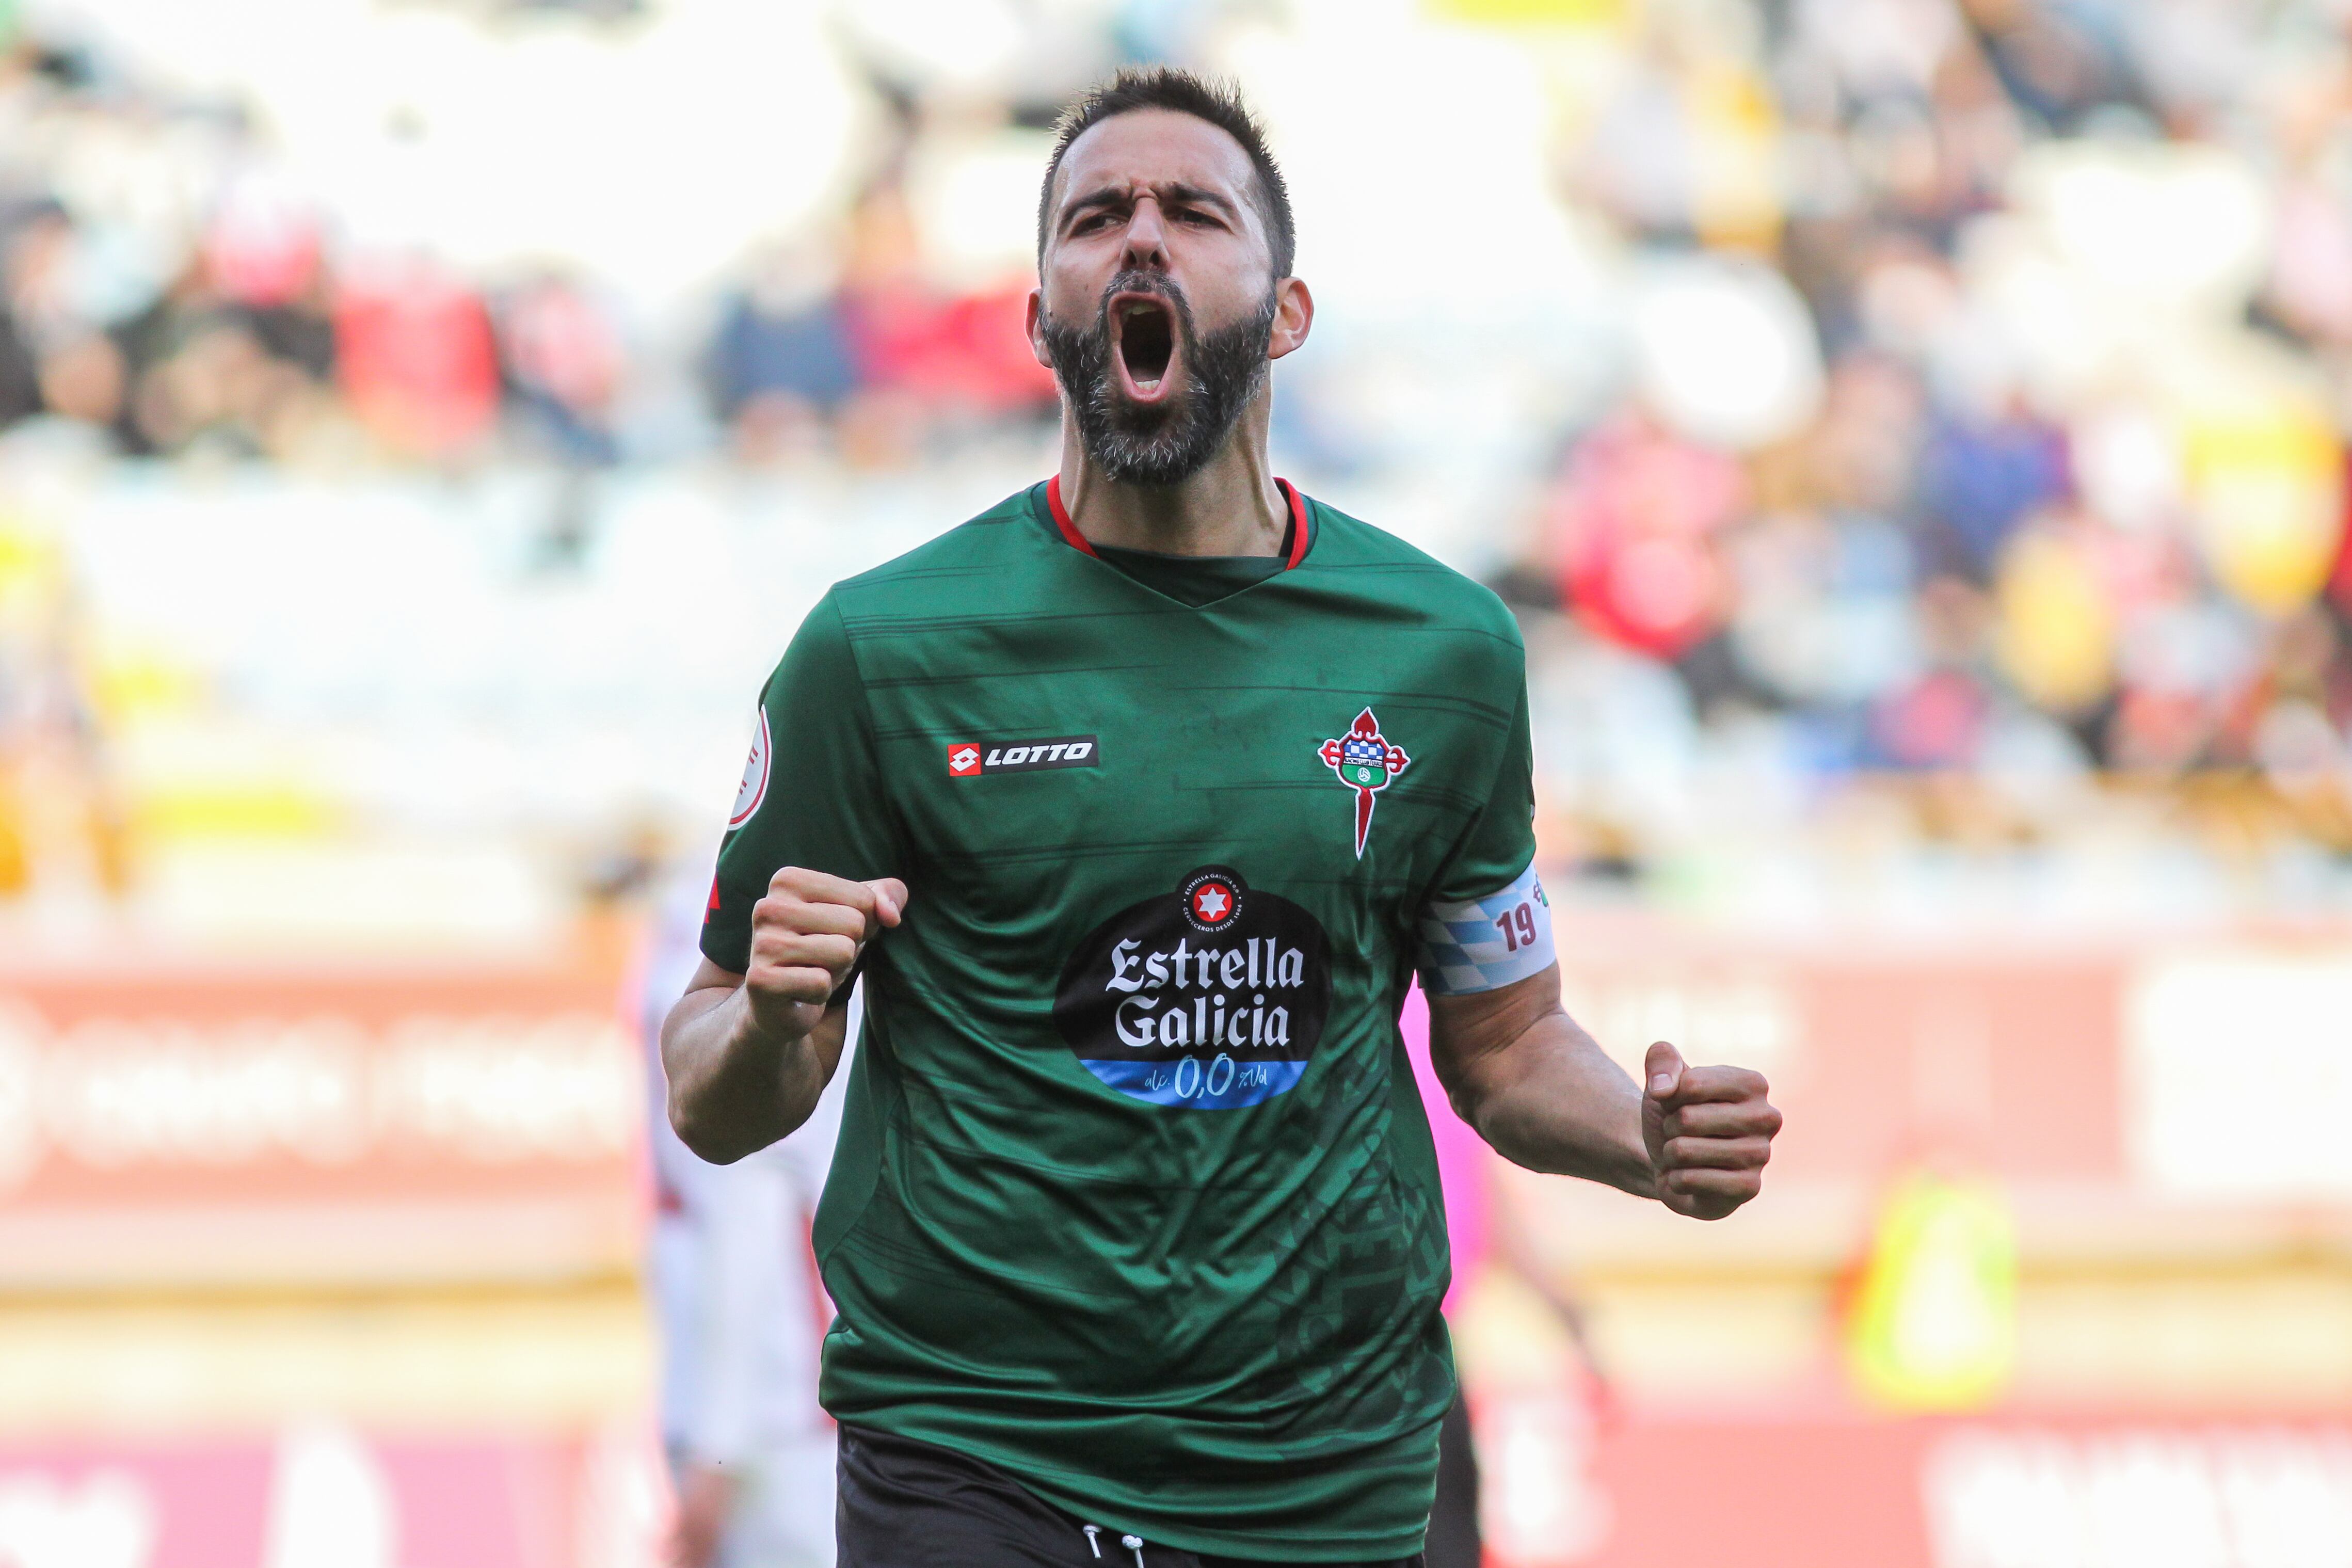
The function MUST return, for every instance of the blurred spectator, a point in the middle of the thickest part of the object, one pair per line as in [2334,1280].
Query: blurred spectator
[1978,479]
[565,360]
[52,359]
[20,369]
[879,352]
[1634,522]
[2055,61]
[1931,1318]
[925,355]
[739,1307]
[780,363]
[236,350]
[59,819]
[200,370]
[417,356]
[1480,1242]
[20,375]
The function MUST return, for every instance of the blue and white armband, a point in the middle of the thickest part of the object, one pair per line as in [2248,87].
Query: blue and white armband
[1487,944]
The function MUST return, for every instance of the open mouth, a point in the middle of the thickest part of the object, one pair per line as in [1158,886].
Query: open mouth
[1143,329]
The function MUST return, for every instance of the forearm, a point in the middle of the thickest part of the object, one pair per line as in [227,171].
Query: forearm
[734,1088]
[1553,1102]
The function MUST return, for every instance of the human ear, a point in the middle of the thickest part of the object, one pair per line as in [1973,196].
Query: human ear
[1294,314]
[1035,327]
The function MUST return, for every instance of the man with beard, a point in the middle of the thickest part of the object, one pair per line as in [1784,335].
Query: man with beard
[1137,801]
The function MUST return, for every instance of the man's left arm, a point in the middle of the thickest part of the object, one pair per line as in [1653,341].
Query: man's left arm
[1516,1067]
[1519,1070]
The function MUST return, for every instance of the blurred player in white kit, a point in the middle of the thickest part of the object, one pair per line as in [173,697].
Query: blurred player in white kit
[740,1310]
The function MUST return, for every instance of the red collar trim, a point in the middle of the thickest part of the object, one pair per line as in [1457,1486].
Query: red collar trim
[1062,518]
[1076,540]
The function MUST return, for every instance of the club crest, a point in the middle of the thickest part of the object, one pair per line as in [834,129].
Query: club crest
[1365,760]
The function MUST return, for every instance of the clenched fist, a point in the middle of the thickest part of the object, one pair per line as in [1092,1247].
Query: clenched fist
[806,935]
[1709,1132]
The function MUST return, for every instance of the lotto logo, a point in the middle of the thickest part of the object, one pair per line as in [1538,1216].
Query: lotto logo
[972,759]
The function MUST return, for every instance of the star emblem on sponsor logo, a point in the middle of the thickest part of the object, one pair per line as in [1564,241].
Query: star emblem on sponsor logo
[1212,899]
[1366,761]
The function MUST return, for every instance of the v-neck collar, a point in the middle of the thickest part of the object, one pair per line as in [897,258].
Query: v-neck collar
[1302,530]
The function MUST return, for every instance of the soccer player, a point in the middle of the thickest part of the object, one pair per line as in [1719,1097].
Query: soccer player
[1137,801]
[736,1306]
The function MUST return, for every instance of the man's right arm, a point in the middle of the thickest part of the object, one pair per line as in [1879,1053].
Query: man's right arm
[747,1054]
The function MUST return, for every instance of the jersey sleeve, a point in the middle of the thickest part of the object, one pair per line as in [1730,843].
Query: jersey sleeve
[811,793]
[1488,922]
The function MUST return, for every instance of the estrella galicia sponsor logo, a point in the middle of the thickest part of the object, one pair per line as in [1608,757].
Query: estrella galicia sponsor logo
[1210,995]
[971,759]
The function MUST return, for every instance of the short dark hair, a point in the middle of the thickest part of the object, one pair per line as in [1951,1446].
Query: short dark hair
[1164,87]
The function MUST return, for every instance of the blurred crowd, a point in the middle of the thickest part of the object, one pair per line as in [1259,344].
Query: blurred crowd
[1915,389]
[169,289]
[2072,476]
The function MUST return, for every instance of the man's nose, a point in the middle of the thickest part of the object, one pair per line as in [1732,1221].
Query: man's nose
[1146,237]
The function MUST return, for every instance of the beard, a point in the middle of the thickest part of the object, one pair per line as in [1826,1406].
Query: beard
[1165,443]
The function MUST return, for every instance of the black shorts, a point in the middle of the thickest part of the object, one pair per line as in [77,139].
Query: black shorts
[906,1504]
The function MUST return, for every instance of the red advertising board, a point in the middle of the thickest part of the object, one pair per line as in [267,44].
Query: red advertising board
[325,1493]
[189,1126]
[2074,1491]
[1831,1490]
[1870,1045]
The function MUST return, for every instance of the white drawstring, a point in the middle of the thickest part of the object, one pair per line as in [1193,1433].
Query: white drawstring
[1132,1542]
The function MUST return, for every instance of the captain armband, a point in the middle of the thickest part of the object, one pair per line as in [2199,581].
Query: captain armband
[1487,944]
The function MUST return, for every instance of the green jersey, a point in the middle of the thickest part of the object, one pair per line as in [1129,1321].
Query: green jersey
[1134,1197]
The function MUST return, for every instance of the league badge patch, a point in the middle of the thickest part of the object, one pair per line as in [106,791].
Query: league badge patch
[1365,760]
[755,788]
